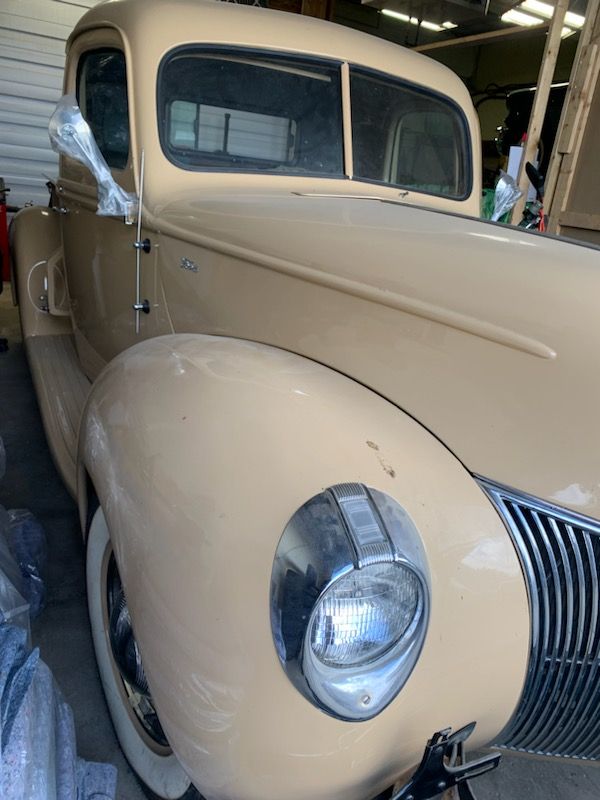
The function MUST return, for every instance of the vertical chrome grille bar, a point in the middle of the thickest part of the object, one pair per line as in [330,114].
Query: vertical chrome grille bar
[582,739]
[559,720]
[562,631]
[560,556]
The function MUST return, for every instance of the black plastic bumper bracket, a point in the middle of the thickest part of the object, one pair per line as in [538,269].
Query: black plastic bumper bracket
[443,766]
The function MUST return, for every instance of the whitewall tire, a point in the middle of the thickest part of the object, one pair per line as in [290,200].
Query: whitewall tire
[153,761]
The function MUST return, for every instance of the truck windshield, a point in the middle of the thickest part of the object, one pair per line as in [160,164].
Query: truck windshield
[243,110]
[248,112]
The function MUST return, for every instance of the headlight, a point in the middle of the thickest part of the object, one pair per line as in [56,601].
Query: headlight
[349,600]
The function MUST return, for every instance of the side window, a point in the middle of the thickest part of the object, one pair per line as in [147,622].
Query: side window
[102,98]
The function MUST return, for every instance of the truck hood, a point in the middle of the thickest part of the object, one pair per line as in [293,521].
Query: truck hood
[489,336]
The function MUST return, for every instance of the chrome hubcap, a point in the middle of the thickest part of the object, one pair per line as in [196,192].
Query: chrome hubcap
[127,657]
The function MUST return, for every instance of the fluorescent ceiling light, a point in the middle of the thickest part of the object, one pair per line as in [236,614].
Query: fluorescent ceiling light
[430,26]
[566,32]
[574,20]
[519,18]
[449,25]
[546,10]
[536,7]
[395,14]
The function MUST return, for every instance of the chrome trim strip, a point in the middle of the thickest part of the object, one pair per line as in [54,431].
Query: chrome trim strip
[369,537]
[560,556]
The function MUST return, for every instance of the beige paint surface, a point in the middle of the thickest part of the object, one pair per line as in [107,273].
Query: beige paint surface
[343,314]
[201,448]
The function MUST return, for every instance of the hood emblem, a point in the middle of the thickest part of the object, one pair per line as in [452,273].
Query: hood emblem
[189,265]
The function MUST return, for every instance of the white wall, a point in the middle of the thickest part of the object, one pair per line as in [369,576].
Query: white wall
[32,46]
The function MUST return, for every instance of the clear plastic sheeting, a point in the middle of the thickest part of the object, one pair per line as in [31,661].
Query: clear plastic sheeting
[2,459]
[8,565]
[27,543]
[37,740]
[13,608]
[23,555]
[70,135]
[506,195]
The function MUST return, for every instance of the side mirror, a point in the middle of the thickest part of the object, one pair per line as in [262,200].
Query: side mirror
[71,136]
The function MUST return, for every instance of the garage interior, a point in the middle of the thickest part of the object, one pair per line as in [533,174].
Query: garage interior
[496,48]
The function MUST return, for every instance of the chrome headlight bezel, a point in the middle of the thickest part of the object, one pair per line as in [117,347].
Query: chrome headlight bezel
[346,529]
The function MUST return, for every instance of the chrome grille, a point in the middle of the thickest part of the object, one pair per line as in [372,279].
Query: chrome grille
[558,712]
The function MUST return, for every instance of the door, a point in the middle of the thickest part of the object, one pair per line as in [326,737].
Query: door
[100,257]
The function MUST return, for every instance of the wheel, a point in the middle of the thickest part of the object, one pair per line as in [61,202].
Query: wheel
[134,717]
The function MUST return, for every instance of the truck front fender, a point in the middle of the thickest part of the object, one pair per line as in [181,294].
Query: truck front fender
[200,450]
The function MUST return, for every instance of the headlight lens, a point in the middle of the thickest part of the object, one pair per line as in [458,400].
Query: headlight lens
[365,613]
[350,600]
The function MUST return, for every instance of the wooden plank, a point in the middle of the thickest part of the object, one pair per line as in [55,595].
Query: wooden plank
[540,102]
[574,117]
[581,97]
[484,38]
[577,219]
[315,8]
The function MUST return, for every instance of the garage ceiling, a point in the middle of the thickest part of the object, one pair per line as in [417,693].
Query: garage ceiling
[447,20]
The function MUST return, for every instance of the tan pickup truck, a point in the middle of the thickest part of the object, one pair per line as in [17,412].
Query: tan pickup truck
[334,439]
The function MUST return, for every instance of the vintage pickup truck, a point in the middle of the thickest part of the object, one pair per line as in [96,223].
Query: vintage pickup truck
[333,438]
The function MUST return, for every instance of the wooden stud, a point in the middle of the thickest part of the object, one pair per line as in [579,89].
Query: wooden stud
[483,38]
[540,102]
[574,118]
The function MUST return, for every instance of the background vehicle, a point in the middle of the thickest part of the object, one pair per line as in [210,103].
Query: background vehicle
[275,397]
[514,127]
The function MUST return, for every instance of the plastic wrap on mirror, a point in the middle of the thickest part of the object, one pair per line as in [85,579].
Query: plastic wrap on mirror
[70,135]
[506,195]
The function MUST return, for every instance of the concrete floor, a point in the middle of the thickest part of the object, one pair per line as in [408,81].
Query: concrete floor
[62,630]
